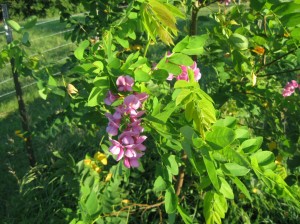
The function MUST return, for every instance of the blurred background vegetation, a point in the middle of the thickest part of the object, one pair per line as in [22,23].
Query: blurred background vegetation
[49,192]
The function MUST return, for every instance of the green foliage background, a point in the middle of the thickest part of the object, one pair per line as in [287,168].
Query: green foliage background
[210,133]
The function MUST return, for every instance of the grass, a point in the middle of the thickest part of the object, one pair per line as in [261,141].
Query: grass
[48,46]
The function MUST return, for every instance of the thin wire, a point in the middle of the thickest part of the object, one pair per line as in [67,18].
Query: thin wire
[23,87]
[51,49]
[49,21]
[65,31]
[5,81]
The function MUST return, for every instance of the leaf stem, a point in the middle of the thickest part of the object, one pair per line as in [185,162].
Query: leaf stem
[147,47]
[275,60]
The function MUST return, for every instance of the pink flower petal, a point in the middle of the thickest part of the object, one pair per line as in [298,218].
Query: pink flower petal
[127,162]
[134,162]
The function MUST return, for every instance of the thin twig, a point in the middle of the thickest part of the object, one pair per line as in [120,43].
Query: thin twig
[282,72]
[275,60]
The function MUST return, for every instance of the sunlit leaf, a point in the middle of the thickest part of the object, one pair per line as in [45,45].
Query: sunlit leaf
[236,169]
[14,25]
[220,137]
[80,49]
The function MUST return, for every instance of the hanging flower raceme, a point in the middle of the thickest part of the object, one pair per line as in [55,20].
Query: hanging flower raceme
[290,87]
[125,123]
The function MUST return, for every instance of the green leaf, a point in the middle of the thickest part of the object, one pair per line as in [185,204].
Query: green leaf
[25,38]
[101,82]
[236,169]
[92,204]
[237,60]
[175,11]
[159,184]
[172,218]
[242,187]
[251,145]
[185,93]
[43,94]
[183,84]
[124,43]
[189,111]
[265,159]
[184,215]
[296,34]
[257,4]
[171,200]
[163,14]
[210,167]
[160,75]
[225,189]
[14,25]
[259,40]
[220,137]
[191,45]
[180,59]
[84,68]
[140,63]
[52,81]
[187,133]
[239,41]
[30,22]
[169,67]
[80,49]
[172,165]
[241,133]
[226,122]
[220,205]
[286,8]
[141,76]
[94,96]
[181,45]
[291,20]
[207,205]
[99,65]
[214,208]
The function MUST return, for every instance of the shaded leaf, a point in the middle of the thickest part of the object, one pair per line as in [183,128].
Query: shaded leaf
[171,200]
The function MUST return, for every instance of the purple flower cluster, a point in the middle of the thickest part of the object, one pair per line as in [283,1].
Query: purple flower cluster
[127,120]
[290,87]
[185,75]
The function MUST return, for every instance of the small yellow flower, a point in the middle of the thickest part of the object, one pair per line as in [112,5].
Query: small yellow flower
[20,134]
[108,177]
[125,201]
[136,47]
[255,190]
[101,157]
[97,169]
[87,162]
